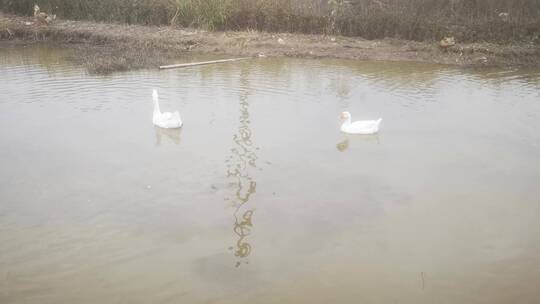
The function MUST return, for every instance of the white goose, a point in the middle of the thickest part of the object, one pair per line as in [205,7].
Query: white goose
[359,127]
[166,120]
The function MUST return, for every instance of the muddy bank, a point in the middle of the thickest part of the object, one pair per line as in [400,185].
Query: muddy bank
[104,48]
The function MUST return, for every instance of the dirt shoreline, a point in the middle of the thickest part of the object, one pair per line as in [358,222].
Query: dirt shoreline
[105,48]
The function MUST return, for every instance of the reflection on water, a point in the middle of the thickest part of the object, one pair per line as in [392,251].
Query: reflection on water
[172,135]
[422,280]
[440,207]
[242,159]
[340,84]
[343,145]
[359,138]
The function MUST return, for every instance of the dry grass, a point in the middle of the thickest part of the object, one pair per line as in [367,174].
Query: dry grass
[467,20]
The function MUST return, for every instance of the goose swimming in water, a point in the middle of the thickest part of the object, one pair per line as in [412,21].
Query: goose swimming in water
[166,120]
[359,127]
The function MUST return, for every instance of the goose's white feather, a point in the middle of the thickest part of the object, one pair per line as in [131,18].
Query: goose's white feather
[166,120]
[359,127]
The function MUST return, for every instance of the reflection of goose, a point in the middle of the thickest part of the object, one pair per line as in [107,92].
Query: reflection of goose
[165,120]
[342,146]
[359,127]
[172,134]
[368,138]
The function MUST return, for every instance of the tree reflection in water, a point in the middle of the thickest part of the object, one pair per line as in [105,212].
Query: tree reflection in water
[242,159]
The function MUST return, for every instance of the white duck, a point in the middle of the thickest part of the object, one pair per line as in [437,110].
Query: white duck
[359,127]
[165,120]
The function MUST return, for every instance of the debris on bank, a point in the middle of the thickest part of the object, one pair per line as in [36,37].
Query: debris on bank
[185,65]
[447,42]
[42,18]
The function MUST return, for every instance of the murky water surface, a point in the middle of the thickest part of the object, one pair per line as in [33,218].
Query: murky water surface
[260,198]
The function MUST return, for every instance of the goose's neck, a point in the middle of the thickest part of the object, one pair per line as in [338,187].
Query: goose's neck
[156,105]
[347,121]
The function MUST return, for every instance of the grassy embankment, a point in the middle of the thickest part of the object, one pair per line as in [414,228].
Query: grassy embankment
[467,20]
[113,35]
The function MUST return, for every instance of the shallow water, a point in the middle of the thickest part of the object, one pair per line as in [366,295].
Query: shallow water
[259,198]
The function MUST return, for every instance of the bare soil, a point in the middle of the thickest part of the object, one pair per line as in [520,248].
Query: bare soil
[105,48]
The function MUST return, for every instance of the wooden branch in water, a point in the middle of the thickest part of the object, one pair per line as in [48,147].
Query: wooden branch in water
[185,65]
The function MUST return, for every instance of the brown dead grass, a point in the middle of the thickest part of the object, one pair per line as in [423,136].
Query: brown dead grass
[105,48]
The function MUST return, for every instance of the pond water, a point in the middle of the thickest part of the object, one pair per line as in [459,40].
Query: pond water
[259,198]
